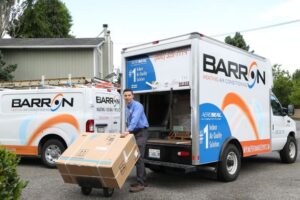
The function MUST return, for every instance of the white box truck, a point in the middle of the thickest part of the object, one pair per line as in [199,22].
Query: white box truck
[44,122]
[208,104]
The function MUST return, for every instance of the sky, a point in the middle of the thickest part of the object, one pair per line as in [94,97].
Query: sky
[134,22]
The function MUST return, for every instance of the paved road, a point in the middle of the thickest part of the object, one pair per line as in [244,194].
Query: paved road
[261,177]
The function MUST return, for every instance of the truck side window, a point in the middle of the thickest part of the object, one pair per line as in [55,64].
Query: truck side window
[276,107]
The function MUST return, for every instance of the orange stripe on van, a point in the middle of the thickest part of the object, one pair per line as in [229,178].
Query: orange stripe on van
[256,147]
[234,99]
[22,150]
[63,118]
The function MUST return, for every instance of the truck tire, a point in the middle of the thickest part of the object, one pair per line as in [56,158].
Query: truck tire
[289,152]
[230,164]
[108,192]
[51,151]
[86,190]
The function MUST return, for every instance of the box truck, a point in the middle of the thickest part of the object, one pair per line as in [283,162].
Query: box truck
[209,104]
[44,122]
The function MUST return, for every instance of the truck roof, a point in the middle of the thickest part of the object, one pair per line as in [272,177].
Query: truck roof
[187,37]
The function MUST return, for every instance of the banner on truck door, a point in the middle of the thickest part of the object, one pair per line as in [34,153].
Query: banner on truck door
[234,101]
[159,71]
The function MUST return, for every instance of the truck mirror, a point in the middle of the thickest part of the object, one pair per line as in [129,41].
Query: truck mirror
[284,111]
[291,110]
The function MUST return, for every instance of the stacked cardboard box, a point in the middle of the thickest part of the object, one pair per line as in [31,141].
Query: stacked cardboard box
[99,160]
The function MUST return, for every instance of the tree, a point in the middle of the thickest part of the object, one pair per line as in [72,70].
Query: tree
[282,84]
[43,19]
[296,75]
[9,10]
[295,94]
[5,71]
[238,41]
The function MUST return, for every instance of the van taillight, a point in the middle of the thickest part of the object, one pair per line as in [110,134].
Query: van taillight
[89,126]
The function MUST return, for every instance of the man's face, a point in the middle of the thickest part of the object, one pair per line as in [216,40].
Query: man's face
[128,96]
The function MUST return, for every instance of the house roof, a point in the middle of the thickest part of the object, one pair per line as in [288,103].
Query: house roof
[38,43]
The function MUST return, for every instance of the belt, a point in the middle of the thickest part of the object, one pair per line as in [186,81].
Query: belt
[135,131]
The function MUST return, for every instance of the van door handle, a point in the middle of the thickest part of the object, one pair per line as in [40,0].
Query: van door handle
[288,121]
[101,125]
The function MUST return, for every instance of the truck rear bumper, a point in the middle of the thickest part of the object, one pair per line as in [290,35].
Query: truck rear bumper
[181,167]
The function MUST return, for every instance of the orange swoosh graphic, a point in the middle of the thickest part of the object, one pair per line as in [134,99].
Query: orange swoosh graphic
[64,118]
[251,65]
[60,94]
[234,99]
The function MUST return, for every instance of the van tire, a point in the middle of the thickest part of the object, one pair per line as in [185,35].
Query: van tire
[230,164]
[108,192]
[51,151]
[289,152]
[86,190]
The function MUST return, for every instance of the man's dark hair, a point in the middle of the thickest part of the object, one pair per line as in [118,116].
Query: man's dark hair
[128,90]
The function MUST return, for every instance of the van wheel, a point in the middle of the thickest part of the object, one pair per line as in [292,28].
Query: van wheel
[51,151]
[86,190]
[108,192]
[230,164]
[289,152]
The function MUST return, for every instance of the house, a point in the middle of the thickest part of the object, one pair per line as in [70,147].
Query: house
[58,57]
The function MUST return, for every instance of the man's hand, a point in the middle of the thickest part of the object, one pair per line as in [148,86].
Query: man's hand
[124,134]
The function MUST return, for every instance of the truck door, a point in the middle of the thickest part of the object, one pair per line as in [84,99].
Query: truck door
[278,124]
[107,112]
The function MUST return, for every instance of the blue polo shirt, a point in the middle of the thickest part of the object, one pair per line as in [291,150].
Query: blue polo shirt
[135,116]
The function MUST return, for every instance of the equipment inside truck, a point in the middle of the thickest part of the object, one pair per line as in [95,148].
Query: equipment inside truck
[168,112]
[169,116]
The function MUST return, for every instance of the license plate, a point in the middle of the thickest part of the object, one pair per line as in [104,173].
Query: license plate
[154,153]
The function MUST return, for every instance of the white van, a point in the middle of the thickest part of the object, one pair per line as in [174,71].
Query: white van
[208,104]
[43,122]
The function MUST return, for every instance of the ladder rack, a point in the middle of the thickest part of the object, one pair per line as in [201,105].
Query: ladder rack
[60,82]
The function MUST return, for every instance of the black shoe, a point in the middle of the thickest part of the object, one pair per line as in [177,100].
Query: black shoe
[137,188]
[135,184]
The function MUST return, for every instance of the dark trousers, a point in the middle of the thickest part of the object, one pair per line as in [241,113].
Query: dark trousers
[141,139]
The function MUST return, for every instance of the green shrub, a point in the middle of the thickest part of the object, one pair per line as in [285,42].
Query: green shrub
[10,184]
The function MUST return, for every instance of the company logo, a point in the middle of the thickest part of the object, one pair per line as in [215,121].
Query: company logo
[108,100]
[235,70]
[54,104]
[59,101]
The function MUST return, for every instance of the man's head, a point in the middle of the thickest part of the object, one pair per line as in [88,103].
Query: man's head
[128,95]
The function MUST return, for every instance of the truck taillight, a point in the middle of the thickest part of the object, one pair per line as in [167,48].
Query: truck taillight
[183,153]
[89,126]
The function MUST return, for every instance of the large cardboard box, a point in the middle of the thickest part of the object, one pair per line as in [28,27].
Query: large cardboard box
[99,160]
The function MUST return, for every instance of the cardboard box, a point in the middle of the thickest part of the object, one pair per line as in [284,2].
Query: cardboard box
[99,160]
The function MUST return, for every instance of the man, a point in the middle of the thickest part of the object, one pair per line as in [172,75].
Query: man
[137,124]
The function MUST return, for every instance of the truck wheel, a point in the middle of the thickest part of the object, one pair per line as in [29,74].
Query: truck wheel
[230,164]
[289,152]
[51,151]
[86,190]
[108,192]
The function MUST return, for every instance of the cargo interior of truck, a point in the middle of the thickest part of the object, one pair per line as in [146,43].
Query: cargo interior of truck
[169,116]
